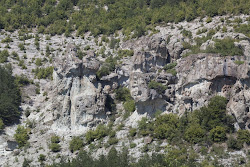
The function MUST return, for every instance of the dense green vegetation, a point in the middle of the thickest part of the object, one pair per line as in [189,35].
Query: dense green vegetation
[100,132]
[107,67]
[75,144]
[157,86]
[123,94]
[54,144]
[107,16]
[21,136]
[43,73]
[207,125]
[226,47]
[4,56]
[10,97]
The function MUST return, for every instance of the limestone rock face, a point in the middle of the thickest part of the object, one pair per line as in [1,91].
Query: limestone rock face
[204,75]
[78,99]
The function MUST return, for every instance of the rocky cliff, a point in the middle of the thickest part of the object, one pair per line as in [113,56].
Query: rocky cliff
[77,100]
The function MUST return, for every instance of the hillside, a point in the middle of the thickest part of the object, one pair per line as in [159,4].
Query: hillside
[114,83]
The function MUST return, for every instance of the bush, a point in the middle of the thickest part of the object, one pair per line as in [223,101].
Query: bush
[232,143]
[7,39]
[214,115]
[21,136]
[125,53]
[90,136]
[113,140]
[145,127]
[169,68]
[166,126]
[55,139]
[243,28]
[55,147]
[43,73]
[218,134]
[22,80]
[194,134]
[186,33]
[132,145]
[4,56]
[243,136]
[226,47]
[38,62]
[75,144]
[21,46]
[122,94]
[132,132]
[100,132]
[129,105]
[42,158]
[107,67]
[157,86]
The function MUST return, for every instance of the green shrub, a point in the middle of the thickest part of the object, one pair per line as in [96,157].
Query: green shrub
[169,68]
[75,144]
[157,86]
[90,136]
[132,132]
[214,115]
[100,132]
[14,55]
[186,33]
[122,94]
[21,136]
[132,145]
[107,67]
[129,105]
[113,140]
[243,28]
[4,56]
[125,53]
[27,113]
[166,126]
[243,136]
[7,40]
[114,43]
[195,134]
[22,80]
[38,62]
[226,47]
[145,127]
[80,54]
[55,139]
[55,147]
[43,73]
[21,46]
[201,31]
[42,158]
[218,134]
[87,47]
[103,71]
[232,143]
[209,20]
